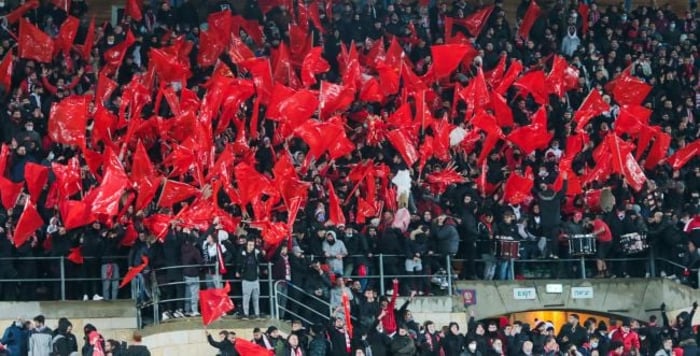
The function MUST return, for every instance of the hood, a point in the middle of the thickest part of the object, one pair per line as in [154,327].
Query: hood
[63,325]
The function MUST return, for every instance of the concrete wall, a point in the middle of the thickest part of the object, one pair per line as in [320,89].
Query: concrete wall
[634,298]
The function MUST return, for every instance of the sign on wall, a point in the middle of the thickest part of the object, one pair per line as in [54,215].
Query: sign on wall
[469,296]
[582,292]
[524,293]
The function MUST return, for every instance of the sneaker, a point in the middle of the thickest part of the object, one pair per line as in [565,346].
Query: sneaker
[647,275]
[165,316]
[244,317]
[85,297]
[97,297]
[179,314]
[671,276]
[193,314]
[663,274]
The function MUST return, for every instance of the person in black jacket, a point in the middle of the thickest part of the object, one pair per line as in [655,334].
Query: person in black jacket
[92,249]
[172,255]
[469,235]
[136,348]
[192,258]
[227,344]
[339,338]
[64,342]
[550,207]
[110,269]
[572,333]
[453,342]
[619,223]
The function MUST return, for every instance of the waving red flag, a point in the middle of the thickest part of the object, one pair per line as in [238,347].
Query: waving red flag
[68,177]
[36,176]
[115,55]
[334,97]
[68,119]
[247,348]
[175,192]
[631,119]
[210,48]
[261,71]
[273,233]
[105,198]
[633,173]
[215,303]
[10,192]
[75,213]
[66,35]
[6,71]
[439,181]
[555,81]
[475,94]
[29,222]
[446,58]
[251,183]
[134,271]
[531,15]
[335,212]
[514,70]
[629,90]
[591,107]
[17,13]
[532,137]
[313,64]
[534,83]
[4,155]
[684,155]
[141,165]
[583,11]
[133,10]
[86,47]
[169,67]
[517,188]
[401,143]
[33,43]
[76,256]
[346,312]
[658,150]
[476,21]
[503,112]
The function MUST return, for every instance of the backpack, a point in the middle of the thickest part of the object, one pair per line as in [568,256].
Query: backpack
[56,344]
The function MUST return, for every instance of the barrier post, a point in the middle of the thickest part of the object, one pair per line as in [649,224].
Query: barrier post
[449,274]
[63,278]
[652,263]
[271,288]
[511,262]
[582,261]
[381,274]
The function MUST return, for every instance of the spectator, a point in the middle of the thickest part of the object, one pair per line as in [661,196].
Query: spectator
[15,338]
[334,251]
[40,338]
[64,343]
[227,344]
[192,258]
[136,348]
[248,271]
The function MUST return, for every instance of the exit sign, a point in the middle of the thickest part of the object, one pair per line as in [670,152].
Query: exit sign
[582,292]
[524,293]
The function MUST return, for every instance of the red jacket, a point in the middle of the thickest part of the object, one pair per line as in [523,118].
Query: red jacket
[389,320]
[629,340]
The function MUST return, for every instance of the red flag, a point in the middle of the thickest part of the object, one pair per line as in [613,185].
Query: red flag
[346,311]
[335,212]
[33,43]
[6,72]
[4,155]
[583,11]
[334,97]
[210,48]
[658,151]
[17,13]
[10,192]
[439,181]
[115,56]
[517,188]
[633,173]
[68,178]
[313,64]
[684,155]
[534,83]
[555,81]
[134,271]
[175,192]
[130,236]
[476,21]
[133,10]
[66,35]
[248,348]
[36,177]
[29,222]
[169,67]
[261,71]
[631,119]
[250,183]
[215,303]
[158,225]
[105,198]
[75,213]
[86,47]
[76,256]
[475,94]
[503,113]
[487,123]
[591,107]
[532,137]
[406,148]
[67,121]
[531,15]
[511,74]
[141,165]
[446,58]
[273,233]
[629,90]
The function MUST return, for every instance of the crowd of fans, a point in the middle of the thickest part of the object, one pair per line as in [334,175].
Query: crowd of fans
[394,332]
[414,230]
[35,338]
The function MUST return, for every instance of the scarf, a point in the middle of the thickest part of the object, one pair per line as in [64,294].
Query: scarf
[220,259]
